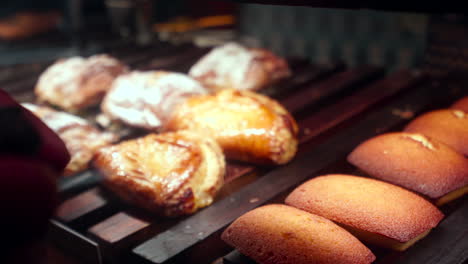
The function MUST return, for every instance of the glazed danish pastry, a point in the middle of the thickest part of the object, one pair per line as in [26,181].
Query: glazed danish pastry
[248,126]
[233,66]
[145,99]
[171,174]
[77,83]
[80,137]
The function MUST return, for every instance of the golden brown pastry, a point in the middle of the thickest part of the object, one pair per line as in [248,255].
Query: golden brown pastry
[77,83]
[81,138]
[280,234]
[248,126]
[447,126]
[461,104]
[145,99]
[372,210]
[171,174]
[233,66]
[415,162]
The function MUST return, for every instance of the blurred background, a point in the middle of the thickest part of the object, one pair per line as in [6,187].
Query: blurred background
[33,31]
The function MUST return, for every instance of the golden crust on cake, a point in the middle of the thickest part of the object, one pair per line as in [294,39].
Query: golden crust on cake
[368,205]
[461,104]
[248,126]
[448,126]
[412,161]
[232,66]
[171,174]
[280,234]
[77,83]
[81,138]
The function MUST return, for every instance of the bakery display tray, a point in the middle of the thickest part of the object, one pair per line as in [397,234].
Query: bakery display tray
[336,108]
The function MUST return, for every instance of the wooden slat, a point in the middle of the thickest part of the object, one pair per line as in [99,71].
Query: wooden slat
[80,205]
[74,243]
[118,227]
[337,83]
[171,243]
[356,103]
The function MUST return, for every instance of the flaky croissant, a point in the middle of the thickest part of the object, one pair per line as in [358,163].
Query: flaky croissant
[171,174]
[248,126]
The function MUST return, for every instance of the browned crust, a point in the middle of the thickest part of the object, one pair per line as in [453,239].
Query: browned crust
[461,104]
[280,234]
[433,170]
[164,173]
[449,126]
[367,204]
[248,126]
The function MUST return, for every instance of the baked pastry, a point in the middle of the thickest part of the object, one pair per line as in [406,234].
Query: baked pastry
[415,162]
[145,99]
[280,234]
[447,126]
[374,211]
[171,174]
[232,66]
[461,104]
[77,83]
[81,138]
[248,126]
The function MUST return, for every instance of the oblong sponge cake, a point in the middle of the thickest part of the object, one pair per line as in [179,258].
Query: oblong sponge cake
[280,234]
[414,162]
[448,126]
[374,211]
[461,104]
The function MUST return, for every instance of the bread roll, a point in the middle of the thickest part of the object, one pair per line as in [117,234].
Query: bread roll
[77,83]
[372,210]
[248,126]
[81,138]
[145,99]
[280,234]
[461,104]
[447,126]
[233,66]
[171,174]
[414,162]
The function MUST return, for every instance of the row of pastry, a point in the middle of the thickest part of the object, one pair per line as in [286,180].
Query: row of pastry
[195,121]
[326,218]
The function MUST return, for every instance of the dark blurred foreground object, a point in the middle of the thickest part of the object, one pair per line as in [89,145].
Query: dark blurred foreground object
[31,158]
[389,5]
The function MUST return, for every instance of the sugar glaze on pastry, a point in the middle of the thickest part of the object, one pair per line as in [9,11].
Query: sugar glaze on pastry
[145,99]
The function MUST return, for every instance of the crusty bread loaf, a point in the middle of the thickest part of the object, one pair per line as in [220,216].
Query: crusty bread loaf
[447,126]
[77,83]
[461,104]
[413,161]
[389,215]
[232,66]
[171,174]
[248,126]
[280,234]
